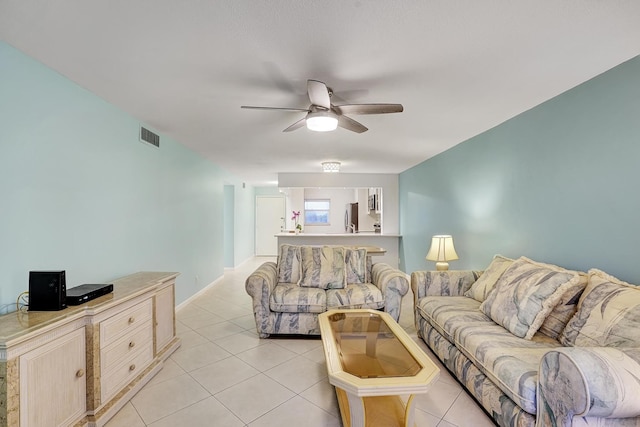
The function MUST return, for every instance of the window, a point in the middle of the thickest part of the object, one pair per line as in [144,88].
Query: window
[316,212]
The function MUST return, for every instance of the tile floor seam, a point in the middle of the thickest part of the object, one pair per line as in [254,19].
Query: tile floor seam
[315,404]
[175,412]
[448,408]
[228,387]
[284,403]
[137,412]
[229,409]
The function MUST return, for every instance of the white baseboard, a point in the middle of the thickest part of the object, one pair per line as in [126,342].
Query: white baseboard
[199,293]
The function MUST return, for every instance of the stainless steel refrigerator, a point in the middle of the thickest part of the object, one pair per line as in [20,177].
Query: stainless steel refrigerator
[351,218]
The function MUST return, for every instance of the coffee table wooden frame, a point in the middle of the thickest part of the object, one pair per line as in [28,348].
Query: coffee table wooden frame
[375,401]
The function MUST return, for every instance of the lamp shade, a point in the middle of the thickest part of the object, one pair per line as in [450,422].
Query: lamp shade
[442,249]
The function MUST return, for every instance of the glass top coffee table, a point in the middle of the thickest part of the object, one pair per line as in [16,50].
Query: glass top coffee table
[372,362]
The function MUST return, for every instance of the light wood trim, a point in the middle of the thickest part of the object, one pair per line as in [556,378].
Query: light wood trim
[375,402]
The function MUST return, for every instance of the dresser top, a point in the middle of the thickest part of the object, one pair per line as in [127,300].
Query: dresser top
[20,323]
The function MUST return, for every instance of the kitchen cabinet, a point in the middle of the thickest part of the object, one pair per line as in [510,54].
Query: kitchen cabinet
[375,201]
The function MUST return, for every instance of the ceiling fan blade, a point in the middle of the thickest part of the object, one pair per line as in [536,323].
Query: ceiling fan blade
[297,125]
[368,108]
[274,108]
[350,124]
[318,94]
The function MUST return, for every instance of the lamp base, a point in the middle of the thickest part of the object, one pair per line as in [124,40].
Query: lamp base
[442,266]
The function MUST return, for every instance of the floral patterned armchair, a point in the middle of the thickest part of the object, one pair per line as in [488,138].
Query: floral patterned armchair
[308,280]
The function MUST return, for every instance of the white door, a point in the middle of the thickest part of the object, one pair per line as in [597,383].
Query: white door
[270,220]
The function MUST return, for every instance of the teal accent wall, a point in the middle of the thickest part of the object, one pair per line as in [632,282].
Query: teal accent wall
[558,184]
[79,191]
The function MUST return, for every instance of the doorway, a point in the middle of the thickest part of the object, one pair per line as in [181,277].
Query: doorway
[270,220]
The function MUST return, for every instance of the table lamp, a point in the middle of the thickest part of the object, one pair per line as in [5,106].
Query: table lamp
[441,251]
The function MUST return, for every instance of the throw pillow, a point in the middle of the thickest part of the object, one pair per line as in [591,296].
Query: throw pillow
[289,264]
[525,294]
[356,263]
[556,321]
[608,314]
[323,267]
[488,279]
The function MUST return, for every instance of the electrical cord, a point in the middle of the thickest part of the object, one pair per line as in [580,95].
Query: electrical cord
[22,303]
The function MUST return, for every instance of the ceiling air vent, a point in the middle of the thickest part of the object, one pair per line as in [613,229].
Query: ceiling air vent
[147,136]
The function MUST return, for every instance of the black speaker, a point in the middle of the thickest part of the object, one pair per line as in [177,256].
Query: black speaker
[47,290]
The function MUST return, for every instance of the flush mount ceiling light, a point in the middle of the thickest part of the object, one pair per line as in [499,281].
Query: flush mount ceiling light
[331,166]
[322,121]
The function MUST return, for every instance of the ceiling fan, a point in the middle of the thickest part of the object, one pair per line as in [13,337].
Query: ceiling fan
[323,116]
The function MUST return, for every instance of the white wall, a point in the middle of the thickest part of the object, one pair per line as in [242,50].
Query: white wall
[339,198]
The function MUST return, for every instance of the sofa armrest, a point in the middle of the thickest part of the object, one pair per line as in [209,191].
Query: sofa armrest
[259,286]
[442,283]
[393,283]
[601,382]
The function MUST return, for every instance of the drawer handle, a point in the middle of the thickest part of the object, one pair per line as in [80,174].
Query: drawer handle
[80,373]
[132,344]
[132,319]
[132,367]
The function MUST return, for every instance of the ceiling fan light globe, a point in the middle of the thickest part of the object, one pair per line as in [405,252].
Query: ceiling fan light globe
[322,121]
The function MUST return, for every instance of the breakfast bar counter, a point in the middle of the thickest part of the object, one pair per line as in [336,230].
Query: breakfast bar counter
[389,244]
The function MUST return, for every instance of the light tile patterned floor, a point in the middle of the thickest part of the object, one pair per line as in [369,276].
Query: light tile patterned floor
[224,375]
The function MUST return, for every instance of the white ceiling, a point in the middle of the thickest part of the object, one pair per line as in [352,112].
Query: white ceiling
[459,67]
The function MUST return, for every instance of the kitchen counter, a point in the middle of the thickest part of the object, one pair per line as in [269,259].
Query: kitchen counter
[329,235]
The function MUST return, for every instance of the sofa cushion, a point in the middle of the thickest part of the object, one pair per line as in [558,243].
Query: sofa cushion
[289,264]
[355,295]
[510,362]
[525,294]
[446,314]
[556,321]
[608,314]
[291,298]
[488,279]
[323,267]
[356,265]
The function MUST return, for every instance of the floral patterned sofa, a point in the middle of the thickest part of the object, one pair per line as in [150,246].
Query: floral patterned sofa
[308,280]
[536,344]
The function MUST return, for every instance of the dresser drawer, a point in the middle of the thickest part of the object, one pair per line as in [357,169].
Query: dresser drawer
[113,380]
[123,322]
[126,345]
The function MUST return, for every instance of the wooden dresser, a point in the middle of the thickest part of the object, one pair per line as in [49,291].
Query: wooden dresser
[81,365]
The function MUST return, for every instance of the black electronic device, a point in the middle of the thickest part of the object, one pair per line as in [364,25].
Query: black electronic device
[47,290]
[83,293]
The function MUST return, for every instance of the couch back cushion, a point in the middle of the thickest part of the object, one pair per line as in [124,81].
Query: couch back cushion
[557,320]
[525,295]
[356,265]
[608,314]
[488,279]
[289,264]
[323,267]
